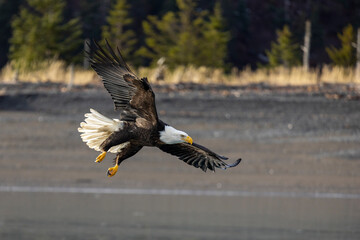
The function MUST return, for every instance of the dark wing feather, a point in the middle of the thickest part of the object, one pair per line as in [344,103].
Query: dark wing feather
[198,156]
[133,96]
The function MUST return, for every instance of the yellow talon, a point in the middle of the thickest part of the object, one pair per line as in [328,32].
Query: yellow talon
[111,171]
[100,157]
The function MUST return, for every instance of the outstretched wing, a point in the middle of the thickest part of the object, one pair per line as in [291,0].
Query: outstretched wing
[198,156]
[133,96]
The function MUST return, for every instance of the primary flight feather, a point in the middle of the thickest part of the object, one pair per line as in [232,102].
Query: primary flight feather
[139,124]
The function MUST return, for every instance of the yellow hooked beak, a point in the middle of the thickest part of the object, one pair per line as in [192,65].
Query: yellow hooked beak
[188,139]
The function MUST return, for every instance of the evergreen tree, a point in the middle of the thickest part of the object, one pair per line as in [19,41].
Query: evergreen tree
[39,34]
[189,36]
[186,37]
[284,51]
[215,40]
[161,37]
[346,55]
[118,29]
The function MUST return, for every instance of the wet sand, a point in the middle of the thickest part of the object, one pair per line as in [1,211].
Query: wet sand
[299,178]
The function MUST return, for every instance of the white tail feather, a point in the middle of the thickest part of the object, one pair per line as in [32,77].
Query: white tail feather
[97,128]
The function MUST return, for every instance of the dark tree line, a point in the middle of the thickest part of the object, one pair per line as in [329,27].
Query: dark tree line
[244,30]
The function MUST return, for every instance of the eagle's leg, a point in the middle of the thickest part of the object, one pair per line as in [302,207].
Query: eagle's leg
[119,158]
[125,153]
[100,157]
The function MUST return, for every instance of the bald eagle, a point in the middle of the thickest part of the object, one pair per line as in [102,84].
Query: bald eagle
[139,124]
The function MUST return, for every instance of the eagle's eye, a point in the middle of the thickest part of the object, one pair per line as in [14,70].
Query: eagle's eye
[182,135]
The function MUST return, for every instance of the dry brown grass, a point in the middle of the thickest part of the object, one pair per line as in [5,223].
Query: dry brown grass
[56,71]
[278,77]
[339,75]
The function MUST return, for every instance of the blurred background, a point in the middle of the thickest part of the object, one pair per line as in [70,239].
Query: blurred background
[276,83]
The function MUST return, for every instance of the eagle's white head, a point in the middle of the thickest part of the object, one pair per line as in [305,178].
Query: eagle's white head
[171,135]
